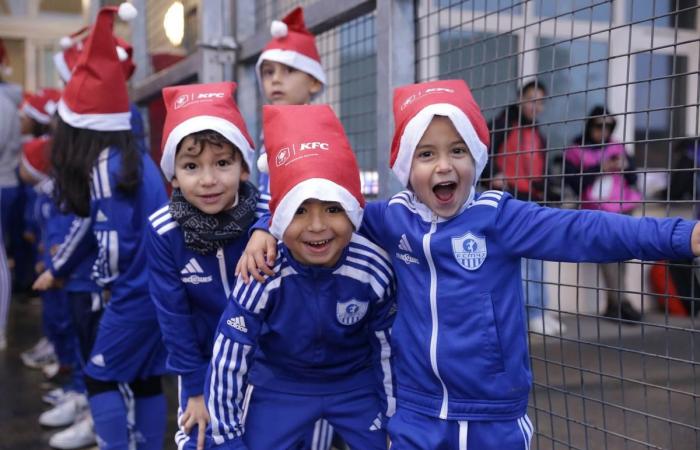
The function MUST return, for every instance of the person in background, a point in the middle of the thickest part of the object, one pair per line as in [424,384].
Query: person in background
[10,148]
[520,167]
[601,173]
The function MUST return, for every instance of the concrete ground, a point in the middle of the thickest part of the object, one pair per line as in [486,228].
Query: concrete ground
[600,386]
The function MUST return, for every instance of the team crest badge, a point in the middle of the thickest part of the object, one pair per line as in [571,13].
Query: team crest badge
[469,250]
[350,312]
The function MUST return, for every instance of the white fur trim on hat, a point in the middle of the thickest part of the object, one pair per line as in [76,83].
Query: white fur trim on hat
[97,122]
[36,174]
[35,114]
[66,42]
[262,163]
[416,127]
[122,54]
[278,29]
[60,62]
[292,59]
[127,12]
[321,189]
[201,123]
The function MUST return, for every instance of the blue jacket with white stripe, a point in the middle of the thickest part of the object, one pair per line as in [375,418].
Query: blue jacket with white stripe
[119,221]
[459,337]
[190,292]
[306,330]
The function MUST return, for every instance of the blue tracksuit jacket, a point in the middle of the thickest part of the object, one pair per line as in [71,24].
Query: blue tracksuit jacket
[459,337]
[306,330]
[190,292]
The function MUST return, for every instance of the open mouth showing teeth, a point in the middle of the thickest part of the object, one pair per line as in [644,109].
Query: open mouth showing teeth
[444,191]
[318,244]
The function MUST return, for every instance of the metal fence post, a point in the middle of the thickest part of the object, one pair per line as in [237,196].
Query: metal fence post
[217,43]
[395,66]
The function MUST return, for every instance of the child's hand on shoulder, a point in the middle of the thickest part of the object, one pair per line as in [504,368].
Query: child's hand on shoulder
[258,258]
[695,239]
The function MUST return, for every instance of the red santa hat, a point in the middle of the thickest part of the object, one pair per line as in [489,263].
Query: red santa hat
[42,105]
[73,45]
[35,157]
[197,107]
[4,60]
[309,156]
[96,96]
[293,45]
[414,108]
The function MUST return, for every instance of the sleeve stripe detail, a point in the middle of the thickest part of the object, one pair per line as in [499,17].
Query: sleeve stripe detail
[496,195]
[160,212]
[490,203]
[106,267]
[364,276]
[159,221]
[78,229]
[386,369]
[165,228]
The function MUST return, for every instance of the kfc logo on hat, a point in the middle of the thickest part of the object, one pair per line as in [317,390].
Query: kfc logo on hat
[303,150]
[181,101]
[421,94]
[283,156]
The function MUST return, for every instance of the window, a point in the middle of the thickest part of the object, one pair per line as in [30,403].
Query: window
[488,62]
[659,11]
[580,9]
[575,74]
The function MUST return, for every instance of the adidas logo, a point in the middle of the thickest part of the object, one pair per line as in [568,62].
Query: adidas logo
[98,360]
[404,244]
[376,423]
[237,323]
[191,269]
[101,217]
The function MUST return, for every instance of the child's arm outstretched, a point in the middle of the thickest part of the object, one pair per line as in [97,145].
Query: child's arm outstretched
[227,376]
[535,232]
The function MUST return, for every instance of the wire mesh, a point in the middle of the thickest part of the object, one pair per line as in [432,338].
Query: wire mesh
[598,382]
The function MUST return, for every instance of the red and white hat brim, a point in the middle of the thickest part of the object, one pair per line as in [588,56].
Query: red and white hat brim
[293,59]
[97,122]
[60,62]
[33,171]
[320,189]
[414,130]
[201,123]
[35,114]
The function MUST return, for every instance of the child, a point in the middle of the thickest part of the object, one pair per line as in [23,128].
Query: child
[198,236]
[101,173]
[604,177]
[289,69]
[462,365]
[316,333]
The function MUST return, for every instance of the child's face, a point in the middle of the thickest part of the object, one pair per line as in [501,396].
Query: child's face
[318,233]
[442,171]
[208,175]
[532,103]
[284,85]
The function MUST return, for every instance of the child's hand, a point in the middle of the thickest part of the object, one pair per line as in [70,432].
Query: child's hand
[44,282]
[695,239]
[196,413]
[253,261]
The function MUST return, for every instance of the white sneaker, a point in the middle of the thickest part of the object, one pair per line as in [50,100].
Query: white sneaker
[65,412]
[54,396]
[546,324]
[78,435]
[40,355]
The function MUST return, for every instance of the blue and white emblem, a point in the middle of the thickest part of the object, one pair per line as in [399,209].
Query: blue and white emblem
[469,250]
[351,311]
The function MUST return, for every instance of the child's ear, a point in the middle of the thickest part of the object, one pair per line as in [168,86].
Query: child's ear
[315,87]
[175,183]
[245,175]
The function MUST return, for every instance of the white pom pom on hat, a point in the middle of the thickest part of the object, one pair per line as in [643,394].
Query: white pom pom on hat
[66,42]
[127,12]
[278,29]
[262,163]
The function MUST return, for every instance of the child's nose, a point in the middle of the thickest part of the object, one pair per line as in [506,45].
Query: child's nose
[316,222]
[208,177]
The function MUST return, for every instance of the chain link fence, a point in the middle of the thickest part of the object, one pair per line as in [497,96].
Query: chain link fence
[599,383]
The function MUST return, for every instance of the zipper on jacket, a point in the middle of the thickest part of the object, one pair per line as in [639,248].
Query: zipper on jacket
[433,314]
[222,272]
